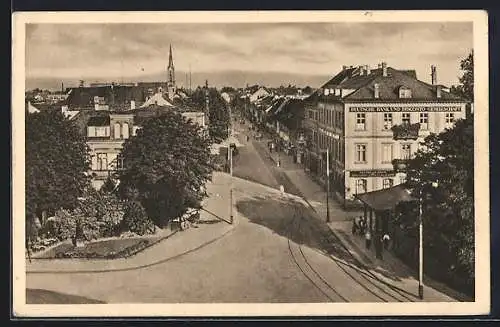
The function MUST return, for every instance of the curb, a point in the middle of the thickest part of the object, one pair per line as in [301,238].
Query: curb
[137,267]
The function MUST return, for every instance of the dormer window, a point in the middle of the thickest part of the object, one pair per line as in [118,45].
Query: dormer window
[404,92]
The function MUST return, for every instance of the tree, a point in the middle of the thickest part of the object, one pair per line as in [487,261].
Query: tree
[448,210]
[218,111]
[166,166]
[466,86]
[136,220]
[56,163]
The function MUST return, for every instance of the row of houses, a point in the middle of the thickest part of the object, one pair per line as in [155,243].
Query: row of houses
[371,120]
[106,126]
[108,114]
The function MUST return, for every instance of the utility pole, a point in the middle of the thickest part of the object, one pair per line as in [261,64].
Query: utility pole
[230,153]
[207,102]
[420,250]
[190,90]
[327,185]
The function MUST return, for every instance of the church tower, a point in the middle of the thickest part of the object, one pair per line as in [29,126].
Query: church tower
[171,76]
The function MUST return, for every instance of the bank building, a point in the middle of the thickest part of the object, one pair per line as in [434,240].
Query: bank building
[372,121]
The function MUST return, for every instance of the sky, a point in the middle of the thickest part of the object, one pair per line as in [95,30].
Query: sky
[121,50]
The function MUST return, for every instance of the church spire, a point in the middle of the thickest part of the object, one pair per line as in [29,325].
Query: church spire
[171,75]
[170,58]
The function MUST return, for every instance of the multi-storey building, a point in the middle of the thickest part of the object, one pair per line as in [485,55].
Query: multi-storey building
[370,120]
[106,134]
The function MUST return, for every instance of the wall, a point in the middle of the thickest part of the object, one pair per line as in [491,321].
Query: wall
[375,136]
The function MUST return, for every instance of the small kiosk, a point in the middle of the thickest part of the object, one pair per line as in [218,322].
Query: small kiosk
[379,207]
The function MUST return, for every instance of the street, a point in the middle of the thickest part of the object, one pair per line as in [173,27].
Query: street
[277,252]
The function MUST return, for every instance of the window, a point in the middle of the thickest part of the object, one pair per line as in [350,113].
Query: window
[102,161]
[406,118]
[387,183]
[405,151]
[402,179]
[102,131]
[119,162]
[361,121]
[387,120]
[117,131]
[91,131]
[404,92]
[424,120]
[94,162]
[360,153]
[450,118]
[361,186]
[125,131]
[386,153]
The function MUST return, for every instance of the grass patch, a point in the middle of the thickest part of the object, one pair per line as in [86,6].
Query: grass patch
[106,249]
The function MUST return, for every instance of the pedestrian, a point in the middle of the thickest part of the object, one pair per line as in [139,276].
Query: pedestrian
[386,239]
[248,138]
[354,226]
[362,224]
[368,239]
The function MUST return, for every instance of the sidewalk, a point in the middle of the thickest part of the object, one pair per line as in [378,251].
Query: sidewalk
[180,243]
[390,269]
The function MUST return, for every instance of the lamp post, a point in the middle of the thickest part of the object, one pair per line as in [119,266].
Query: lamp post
[230,153]
[327,185]
[421,245]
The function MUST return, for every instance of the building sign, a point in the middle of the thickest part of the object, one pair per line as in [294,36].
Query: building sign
[405,109]
[373,173]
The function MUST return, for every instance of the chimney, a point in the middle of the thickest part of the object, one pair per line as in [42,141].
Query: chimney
[132,104]
[433,75]
[438,91]
[62,87]
[384,69]
[376,92]
[361,70]
[344,67]
[367,69]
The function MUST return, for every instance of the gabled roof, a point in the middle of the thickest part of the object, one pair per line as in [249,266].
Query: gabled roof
[363,86]
[157,100]
[31,109]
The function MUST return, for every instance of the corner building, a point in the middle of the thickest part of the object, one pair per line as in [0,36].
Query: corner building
[371,119]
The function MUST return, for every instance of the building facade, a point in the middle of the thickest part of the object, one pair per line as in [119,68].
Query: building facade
[105,137]
[371,121]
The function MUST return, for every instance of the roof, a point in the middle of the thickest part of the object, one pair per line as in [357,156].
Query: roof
[31,108]
[98,121]
[113,95]
[386,199]
[363,86]
[158,100]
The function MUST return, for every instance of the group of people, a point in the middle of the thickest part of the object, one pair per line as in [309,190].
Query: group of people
[359,227]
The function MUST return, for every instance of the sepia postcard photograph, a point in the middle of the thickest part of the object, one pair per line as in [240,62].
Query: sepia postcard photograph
[250,163]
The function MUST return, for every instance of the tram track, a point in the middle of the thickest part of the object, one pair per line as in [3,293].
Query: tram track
[357,271]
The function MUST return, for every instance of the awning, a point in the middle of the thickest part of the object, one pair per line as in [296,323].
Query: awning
[386,199]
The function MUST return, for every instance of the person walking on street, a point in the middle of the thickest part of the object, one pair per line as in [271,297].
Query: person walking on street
[368,239]
[362,225]
[354,226]
[386,239]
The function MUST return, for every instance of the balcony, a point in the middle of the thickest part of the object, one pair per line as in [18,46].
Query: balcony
[400,165]
[405,131]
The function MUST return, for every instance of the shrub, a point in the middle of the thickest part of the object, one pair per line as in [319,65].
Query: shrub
[136,220]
